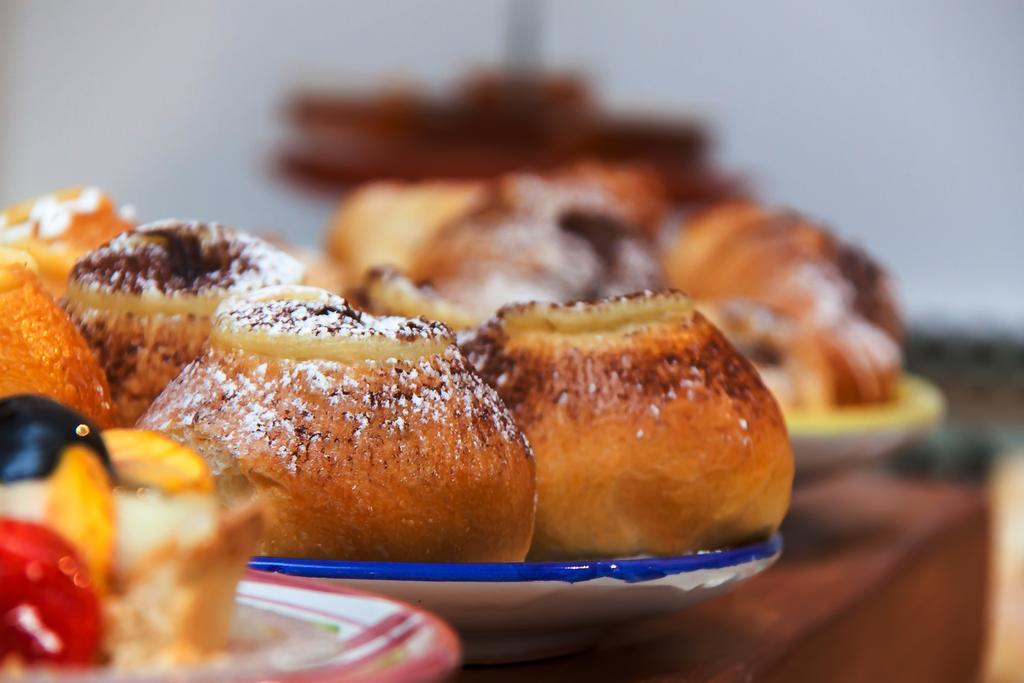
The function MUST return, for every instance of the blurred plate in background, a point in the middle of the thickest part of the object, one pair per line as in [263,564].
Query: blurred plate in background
[827,441]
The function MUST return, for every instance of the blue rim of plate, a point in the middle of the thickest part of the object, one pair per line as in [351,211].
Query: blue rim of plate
[631,570]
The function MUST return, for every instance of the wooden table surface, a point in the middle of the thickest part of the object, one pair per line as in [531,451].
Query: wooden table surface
[881,579]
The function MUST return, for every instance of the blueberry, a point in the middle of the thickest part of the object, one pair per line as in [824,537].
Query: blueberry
[35,430]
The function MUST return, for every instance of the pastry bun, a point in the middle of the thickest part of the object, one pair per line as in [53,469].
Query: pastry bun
[833,295]
[583,230]
[652,434]
[41,350]
[384,223]
[631,193]
[59,228]
[144,300]
[365,438]
[547,252]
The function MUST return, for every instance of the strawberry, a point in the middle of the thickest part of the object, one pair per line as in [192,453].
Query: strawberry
[49,612]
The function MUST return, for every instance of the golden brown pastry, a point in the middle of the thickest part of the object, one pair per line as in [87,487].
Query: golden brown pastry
[386,291]
[652,434]
[633,194]
[144,300]
[504,254]
[833,294]
[808,367]
[366,438]
[59,228]
[388,223]
[384,223]
[41,351]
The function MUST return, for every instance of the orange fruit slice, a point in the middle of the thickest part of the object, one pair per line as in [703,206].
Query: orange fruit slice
[80,507]
[145,458]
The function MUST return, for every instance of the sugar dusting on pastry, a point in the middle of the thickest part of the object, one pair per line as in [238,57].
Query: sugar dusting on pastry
[185,258]
[280,403]
[322,314]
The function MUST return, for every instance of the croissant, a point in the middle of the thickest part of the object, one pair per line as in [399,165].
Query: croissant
[838,305]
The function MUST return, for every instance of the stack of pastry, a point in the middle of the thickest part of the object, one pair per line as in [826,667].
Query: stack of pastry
[817,316]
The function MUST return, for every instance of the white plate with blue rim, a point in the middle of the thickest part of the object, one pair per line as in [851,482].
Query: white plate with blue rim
[520,611]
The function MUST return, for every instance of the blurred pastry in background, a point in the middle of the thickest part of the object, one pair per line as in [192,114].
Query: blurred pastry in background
[144,300]
[386,291]
[540,239]
[499,257]
[807,367]
[385,223]
[828,291]
[412,225]
[632,193]
[789,360]
[364,437]
[623,400]
[491,122]
[58,228]
[41,350]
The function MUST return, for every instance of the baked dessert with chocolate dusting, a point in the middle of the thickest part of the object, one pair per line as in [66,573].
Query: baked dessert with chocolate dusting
[364,437]
[553,248]
[653,435]
[580,231]
[144,300]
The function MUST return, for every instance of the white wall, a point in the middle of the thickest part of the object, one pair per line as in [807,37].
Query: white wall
[900,123]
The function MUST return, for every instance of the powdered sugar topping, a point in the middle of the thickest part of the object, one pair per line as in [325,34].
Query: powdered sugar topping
[185,258]
[312,312]
[283,406]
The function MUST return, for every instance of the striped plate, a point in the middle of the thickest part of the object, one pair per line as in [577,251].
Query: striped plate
[291,630]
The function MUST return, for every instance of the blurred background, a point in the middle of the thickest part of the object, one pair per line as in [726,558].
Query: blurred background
[899,124]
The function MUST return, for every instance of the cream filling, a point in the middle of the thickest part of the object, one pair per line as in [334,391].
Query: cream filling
[399,296]
[146,520]
[231,334]
[149,520]
[619,316]
[24,500]
[144,303]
